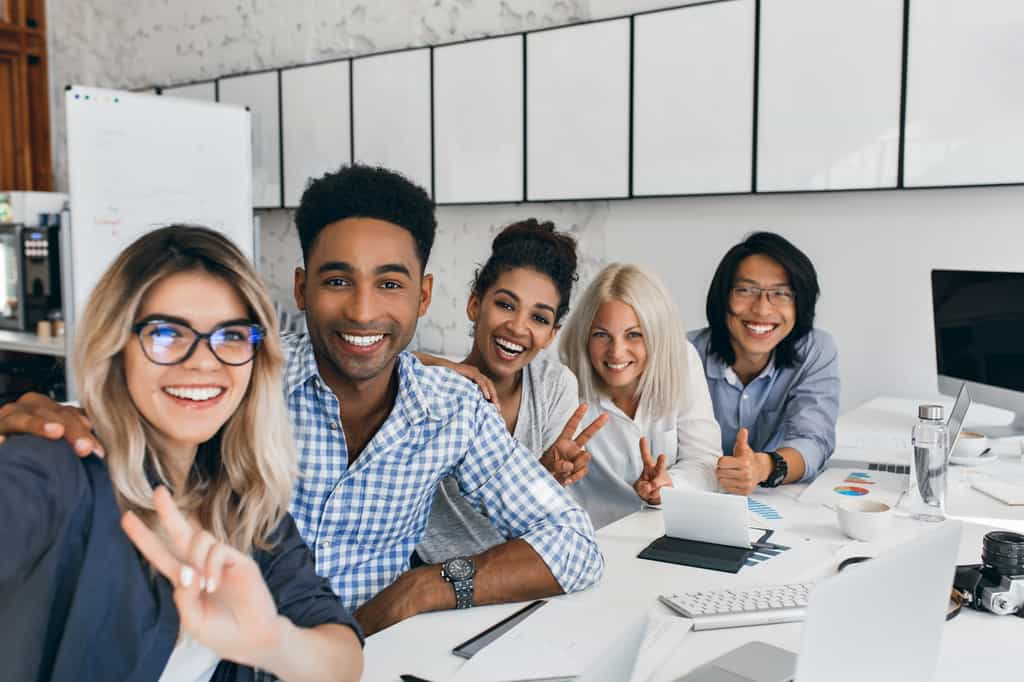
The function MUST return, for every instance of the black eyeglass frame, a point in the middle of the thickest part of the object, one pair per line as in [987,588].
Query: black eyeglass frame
[769,292]
[200,336]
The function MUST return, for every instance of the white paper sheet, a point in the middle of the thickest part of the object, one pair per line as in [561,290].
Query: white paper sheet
[561,641]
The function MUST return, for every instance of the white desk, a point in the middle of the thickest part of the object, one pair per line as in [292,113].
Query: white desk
[975,645]
[27,342]
[879,430]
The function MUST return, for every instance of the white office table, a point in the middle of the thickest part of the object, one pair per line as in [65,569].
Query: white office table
[879,430]
[975,645]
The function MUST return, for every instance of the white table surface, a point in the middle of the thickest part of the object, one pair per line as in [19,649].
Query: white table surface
[28,342]
[975,645]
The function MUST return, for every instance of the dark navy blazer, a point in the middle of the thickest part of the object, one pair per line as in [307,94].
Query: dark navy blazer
[77,602]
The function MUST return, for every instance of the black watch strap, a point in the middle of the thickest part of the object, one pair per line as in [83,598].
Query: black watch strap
[779,471]
[463,593]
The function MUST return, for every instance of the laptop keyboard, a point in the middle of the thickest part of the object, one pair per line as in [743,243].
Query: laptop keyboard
[714,609]
[891,468]
[839,462]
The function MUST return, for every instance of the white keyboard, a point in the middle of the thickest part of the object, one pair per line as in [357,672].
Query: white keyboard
[739,608]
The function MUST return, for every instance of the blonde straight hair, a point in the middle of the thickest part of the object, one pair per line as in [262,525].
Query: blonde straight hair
[241,483]
[661,386]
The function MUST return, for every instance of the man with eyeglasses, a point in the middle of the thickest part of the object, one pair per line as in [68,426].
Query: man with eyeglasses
[773,377]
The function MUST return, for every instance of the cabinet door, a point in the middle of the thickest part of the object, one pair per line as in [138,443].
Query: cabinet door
[316,124]
[965,99]
[204,92]
[829,94]
[478,121]
[14,160]
[259,92]
[693,99]
[577,111]
[391,113]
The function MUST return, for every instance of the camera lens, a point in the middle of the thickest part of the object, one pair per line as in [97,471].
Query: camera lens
[1003,551]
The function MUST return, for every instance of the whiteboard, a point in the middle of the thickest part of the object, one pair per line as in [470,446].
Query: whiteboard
[965,102]
[205,92]
[829,98]
[315,123]
[693,99]
[391,113]
[478,121]
[137,162]
[259,92]
[577,111]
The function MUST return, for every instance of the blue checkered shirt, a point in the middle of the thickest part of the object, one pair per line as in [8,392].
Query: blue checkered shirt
[363,522]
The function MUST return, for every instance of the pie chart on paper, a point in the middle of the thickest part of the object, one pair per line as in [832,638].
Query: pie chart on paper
[851,490]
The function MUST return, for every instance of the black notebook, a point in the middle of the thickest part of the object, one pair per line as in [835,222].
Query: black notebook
[700,554]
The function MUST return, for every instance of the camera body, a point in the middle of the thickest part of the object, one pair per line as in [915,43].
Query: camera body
[997,584]
[986,590]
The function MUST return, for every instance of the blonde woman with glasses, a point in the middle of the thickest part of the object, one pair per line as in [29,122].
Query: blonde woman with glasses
[174,557]
[625,343]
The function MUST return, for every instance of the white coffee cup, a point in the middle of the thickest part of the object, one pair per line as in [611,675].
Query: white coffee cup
[970,444]
[863,520]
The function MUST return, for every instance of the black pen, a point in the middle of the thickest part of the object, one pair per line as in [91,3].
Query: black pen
[412,678]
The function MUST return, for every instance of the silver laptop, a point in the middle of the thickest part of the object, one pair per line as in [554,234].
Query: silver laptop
[953,426]
[879,620]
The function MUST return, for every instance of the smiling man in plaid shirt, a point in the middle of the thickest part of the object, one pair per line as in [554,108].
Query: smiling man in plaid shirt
[377,430]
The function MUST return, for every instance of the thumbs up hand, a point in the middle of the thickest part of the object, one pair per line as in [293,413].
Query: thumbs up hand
[744,469]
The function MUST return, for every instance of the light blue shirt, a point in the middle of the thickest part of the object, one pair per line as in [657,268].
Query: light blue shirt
[363,521]
[782,407]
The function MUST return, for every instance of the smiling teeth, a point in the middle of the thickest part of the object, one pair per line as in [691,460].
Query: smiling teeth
[362,340]
[622,365]
[505,344]
[197,394]
[760,328]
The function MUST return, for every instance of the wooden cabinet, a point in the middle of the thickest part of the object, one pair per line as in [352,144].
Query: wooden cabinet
[24,108]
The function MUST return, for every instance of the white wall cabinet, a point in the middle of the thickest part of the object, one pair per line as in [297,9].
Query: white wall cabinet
[693,99]
[829,94]
[965,98]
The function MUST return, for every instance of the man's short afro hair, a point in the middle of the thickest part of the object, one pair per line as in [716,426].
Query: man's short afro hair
[360,191]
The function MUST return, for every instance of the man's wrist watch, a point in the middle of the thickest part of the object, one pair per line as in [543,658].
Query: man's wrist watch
[779,471]
[459,572]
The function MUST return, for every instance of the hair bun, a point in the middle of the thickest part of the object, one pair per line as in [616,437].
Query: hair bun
[529,230]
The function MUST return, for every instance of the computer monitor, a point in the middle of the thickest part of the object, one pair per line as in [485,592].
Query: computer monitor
[979,339]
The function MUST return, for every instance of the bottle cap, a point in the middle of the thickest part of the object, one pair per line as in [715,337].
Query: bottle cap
[930,412]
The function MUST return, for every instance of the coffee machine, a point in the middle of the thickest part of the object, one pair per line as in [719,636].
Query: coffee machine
[30,278]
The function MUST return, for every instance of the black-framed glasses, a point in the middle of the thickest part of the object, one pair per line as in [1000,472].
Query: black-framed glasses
[776,295]
[172,343]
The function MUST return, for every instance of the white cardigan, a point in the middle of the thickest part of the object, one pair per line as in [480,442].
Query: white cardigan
[690,440]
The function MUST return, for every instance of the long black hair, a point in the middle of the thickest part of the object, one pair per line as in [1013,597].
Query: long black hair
[537,246]
[803,279]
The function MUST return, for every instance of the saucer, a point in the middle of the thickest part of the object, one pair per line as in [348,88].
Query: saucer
[981,459]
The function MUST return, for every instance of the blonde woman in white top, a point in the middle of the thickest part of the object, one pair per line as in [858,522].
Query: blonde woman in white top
[626,345]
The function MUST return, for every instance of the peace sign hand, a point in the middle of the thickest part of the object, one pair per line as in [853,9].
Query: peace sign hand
[222,600]
[566,459]
[654,477]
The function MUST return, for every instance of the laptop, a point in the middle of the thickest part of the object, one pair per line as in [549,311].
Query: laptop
[953,426]
[703,516]
[878,620]
[705,530]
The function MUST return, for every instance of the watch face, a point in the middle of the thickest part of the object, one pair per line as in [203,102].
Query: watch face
[459,569]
